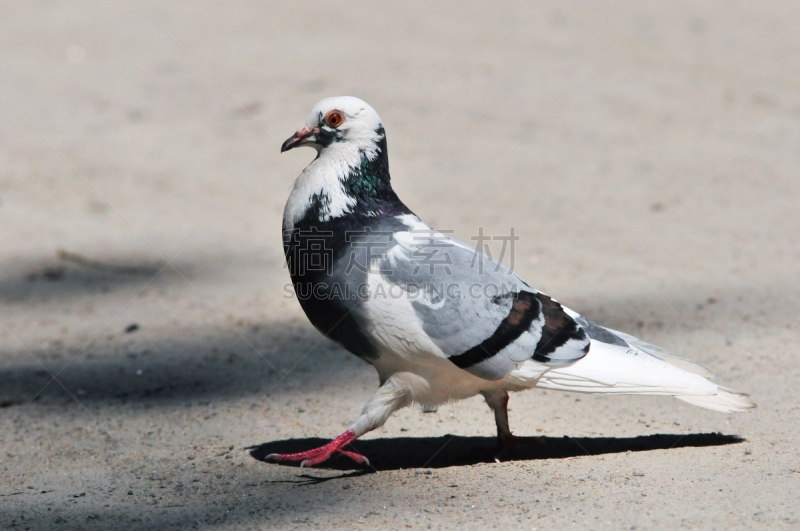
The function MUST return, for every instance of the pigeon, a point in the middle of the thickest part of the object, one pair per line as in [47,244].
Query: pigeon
[440,320]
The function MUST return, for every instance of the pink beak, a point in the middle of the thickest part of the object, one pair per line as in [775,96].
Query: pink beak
[304,135]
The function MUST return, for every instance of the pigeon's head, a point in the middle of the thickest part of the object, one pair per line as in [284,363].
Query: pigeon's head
[342,122]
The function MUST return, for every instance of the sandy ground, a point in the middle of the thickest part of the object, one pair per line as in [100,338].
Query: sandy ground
[645,153]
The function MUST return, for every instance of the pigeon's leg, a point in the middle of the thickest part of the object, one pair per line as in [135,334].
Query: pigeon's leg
[498,402]
[392,395]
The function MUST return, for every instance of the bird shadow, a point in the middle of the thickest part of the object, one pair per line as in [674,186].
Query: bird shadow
[309,479]
[396,453]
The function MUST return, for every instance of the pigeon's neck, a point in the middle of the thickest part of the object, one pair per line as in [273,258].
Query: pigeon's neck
[344,181]
[367,179]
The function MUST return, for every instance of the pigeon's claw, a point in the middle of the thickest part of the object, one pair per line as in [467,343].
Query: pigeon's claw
[358,458]
[296,457]
[323,453]
[319,458]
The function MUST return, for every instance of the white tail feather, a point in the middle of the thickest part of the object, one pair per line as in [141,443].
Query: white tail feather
[725,401]
[665,355]
[618,370]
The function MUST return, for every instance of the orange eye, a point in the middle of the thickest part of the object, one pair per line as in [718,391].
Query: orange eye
[334,119]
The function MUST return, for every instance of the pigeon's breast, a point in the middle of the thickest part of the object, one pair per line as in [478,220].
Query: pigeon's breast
[329,262]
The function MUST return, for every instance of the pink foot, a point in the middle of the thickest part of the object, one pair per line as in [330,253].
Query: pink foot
[323,453]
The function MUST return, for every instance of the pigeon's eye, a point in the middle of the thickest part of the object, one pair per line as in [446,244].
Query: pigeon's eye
[334,119]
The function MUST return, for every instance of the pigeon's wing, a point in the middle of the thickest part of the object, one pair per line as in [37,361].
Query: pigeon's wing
[665,355]
[614,337]
[476,311]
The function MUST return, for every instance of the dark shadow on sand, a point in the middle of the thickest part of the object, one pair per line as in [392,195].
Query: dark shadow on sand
[440,452]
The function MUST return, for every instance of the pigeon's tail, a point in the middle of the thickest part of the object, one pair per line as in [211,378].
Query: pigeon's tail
[619,370]
[724,400]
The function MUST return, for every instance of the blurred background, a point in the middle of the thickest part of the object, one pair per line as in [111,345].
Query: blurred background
[646,155]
